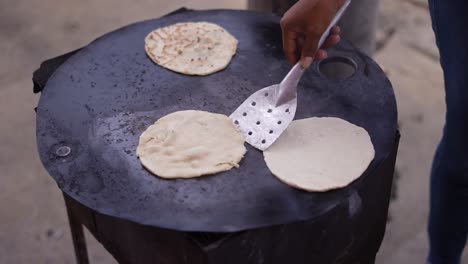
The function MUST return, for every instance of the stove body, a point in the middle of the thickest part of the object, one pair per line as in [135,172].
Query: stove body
[351,233]
[96,101]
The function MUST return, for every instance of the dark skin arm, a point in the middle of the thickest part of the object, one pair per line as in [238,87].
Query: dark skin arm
[303,25]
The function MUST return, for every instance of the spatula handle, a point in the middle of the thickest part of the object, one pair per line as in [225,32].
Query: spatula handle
[333,23]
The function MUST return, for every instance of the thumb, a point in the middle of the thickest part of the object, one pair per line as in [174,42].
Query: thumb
[309,48]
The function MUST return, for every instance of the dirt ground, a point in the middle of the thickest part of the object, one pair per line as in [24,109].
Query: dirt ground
[33,222]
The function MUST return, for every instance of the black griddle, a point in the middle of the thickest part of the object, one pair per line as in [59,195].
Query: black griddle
[105,95]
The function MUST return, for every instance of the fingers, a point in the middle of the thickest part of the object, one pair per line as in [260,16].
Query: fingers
[299,44]
[321,54]
[290,46]
[331,41]
[335,30]
[297,47]
[309,49]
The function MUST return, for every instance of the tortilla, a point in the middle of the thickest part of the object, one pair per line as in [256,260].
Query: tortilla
[189,144]
[320,154]
[194,48]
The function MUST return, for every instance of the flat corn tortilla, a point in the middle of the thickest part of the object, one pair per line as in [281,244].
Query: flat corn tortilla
[193,48]
[320,154]
[188,144]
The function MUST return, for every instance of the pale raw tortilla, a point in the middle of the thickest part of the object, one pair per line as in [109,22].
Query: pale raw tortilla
[188,144]
[320,154]
[196,48]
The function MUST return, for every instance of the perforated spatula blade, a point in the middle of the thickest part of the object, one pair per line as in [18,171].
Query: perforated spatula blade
[264,116]
[260,121]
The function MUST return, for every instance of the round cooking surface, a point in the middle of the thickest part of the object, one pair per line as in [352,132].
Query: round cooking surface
[95,106]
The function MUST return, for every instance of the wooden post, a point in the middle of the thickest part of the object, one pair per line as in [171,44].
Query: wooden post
[359,24]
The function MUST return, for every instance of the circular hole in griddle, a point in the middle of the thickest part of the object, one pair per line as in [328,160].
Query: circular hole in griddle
[258,122]
[250,133]
[236,122]
[271,131]
[263,141]
[254,103]
[244,114]
[287,110]
[337,68]
[269,111]
[279,122]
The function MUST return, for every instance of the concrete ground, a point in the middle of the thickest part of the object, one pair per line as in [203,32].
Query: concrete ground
[33,222]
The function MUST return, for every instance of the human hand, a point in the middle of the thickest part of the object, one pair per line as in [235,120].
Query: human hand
[303,25]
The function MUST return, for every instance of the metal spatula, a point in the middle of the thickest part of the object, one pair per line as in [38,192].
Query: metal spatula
[264,116]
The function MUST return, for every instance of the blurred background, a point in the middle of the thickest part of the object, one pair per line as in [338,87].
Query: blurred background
[33,221]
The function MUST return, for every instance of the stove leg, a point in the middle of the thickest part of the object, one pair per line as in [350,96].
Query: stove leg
[370,261]
[79,241]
